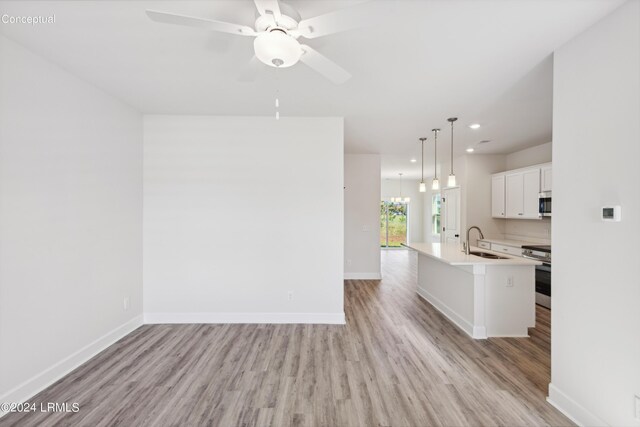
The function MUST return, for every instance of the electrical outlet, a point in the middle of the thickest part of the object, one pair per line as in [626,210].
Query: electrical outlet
[637,400]
[290,295]
[510,282]
[125,303]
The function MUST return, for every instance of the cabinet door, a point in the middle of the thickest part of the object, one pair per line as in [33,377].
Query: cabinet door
[497,196]
[514,195]
[545,181]
[531,190]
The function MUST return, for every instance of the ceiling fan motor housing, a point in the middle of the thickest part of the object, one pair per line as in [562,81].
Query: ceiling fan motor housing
[277,48]
[288,19]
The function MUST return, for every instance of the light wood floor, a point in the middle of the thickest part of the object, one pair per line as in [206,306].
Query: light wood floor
[396,362]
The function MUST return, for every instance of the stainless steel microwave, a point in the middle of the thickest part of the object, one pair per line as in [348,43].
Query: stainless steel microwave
[544,204]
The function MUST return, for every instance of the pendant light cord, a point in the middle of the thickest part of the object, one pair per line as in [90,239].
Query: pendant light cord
[422,140]
[435,154]
[451,120]
[422,161]
[451,147]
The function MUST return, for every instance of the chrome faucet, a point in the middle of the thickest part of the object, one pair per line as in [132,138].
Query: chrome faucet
[467,248]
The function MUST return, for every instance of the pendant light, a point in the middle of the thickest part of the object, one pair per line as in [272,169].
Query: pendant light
[400,199]
[423,186]
[452,177]
[435,185]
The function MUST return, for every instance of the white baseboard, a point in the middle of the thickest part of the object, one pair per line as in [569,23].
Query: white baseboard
[362,276]
[44,379]
[572,409]
[479,332]
[463,324]
[304,318]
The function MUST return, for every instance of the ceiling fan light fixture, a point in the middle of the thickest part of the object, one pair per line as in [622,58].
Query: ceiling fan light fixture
[277,49]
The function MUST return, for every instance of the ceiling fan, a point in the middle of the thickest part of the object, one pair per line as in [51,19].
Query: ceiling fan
[277,29]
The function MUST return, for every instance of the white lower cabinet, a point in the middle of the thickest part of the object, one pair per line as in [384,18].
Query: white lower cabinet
[510,250]
[484,245]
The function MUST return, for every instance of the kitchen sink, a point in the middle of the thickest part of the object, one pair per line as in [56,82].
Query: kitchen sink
[487,255]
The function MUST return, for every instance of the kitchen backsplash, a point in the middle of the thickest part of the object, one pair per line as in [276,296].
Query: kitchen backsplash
[536,230]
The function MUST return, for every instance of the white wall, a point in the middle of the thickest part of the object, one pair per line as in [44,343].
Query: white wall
[595,351]
[535,230]
[410,188]
[362,216]
[239,212]
[70,221]
[476,188]
[529,156]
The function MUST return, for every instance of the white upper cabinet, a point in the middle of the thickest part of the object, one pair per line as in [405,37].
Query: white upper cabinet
[522,190]
[545,178]
[497,196]
[531,190]
[514,194]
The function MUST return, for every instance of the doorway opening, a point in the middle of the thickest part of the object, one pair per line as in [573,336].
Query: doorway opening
[393,224]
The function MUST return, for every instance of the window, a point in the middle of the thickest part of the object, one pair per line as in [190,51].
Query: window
[435,214]
[393,224]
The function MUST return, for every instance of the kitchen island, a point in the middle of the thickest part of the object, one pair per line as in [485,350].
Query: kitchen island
[485,297]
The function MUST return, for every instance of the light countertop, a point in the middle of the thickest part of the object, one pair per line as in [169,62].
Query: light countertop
[509,242]
[452,254]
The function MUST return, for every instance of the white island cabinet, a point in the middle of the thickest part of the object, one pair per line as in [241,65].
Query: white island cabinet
[484,297]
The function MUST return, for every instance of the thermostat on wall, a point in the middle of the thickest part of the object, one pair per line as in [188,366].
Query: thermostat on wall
[612,213]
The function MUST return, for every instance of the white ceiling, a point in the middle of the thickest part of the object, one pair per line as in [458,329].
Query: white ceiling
[485,61]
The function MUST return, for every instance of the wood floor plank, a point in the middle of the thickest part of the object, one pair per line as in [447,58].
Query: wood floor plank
[397,362]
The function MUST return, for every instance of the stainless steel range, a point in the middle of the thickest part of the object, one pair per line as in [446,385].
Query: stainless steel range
[543,272]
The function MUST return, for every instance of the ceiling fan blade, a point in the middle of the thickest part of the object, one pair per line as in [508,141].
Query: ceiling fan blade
[207,24]
[350,18]
[323,65]
[268,6]
[250,70]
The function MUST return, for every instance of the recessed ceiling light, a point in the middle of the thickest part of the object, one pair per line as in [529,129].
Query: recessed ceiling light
[470,150]
[413,160]
[475,126]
